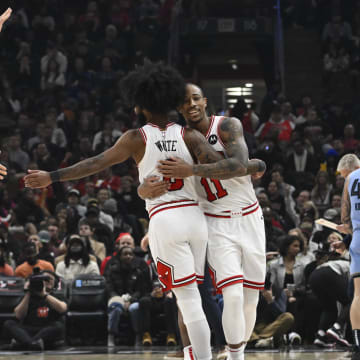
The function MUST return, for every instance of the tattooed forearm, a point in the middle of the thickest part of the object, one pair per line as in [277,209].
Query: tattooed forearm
[224,169]
[255,166]
[83,168]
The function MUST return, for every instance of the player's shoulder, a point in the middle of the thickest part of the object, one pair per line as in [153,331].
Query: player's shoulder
[230,127]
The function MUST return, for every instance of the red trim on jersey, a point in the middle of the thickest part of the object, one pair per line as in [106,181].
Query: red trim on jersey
[142,132]
[230,281]
[218,216]
[183,132]
[200,279]
[167,203]
[153,125]
[218,132]
[210,127]
[248,207]
[229,211]
[254,285]
[250,212]
[171,207]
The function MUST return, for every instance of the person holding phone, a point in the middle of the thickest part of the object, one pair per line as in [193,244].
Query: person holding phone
[287,274]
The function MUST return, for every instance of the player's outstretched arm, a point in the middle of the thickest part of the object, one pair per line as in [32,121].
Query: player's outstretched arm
[5,16]
[212,165]
[346,226]
[3,171]
[129,144]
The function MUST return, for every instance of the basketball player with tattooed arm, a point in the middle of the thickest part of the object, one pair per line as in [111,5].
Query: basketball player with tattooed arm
[349,168]
[236,249]
[179,250]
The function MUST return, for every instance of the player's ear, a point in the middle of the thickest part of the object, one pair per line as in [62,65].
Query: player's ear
[205,101]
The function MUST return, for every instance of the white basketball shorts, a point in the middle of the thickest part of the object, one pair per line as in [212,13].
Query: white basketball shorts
[236,249]
[178,240]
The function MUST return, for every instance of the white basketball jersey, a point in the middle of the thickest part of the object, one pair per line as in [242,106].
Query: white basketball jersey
[161,145]
[216,196]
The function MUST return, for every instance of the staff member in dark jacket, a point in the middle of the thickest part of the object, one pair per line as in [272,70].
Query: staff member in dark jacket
[126,284]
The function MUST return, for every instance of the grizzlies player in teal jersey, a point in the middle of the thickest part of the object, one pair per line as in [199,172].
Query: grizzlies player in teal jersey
[349,168]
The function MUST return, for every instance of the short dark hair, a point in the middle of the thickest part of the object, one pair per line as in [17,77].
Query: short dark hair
[286,241]
[157,88]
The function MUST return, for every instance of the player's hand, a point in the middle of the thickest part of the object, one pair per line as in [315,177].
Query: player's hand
[37,179]
[259,174]
[4,16]
[344,228]
[175,168]
[3,171]
[144,244]
[338,246]
[153,187]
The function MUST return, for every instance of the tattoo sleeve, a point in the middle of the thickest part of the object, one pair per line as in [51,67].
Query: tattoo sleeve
[236,163]
[255,166]
[346,206]
[83,168]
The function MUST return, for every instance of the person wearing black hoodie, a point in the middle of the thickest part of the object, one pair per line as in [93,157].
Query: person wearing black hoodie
[126,283]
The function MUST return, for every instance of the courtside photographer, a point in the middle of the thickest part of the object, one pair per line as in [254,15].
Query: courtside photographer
[39,322]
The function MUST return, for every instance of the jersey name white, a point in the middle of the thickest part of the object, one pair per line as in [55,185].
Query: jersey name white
[217,196]
[161,145]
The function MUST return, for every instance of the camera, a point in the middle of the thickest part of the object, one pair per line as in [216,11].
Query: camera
[37,280]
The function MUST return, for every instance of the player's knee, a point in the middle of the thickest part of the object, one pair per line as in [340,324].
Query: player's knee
[233,295]
[189,302]
[251,296]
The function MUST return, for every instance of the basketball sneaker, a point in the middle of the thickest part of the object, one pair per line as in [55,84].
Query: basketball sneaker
[335,333]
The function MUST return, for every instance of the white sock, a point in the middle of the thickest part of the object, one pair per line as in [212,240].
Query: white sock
[236,354]
[189,302]
[233,318]
[251,299]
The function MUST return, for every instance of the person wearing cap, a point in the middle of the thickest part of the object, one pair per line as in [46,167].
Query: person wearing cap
[31,261]
[77,260]
[124,239]
[73,199]
[93,208]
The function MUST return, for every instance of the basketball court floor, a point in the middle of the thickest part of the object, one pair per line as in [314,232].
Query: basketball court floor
[159,353]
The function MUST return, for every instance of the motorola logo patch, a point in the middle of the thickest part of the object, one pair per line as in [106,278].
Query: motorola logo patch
[213,139]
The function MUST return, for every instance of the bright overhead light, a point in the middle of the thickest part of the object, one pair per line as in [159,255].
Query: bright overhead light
[234,93]
[249,85]
[249,101]
[234,66]
[232,101]
[234,89]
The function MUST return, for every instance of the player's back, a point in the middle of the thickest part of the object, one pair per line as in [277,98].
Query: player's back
[217,196]
[354,193]
[161,145]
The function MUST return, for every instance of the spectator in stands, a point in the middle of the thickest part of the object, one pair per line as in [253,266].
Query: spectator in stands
[126,284]
[300,161]
[287,274]
[320,195]
[27,210]
[5,267]
[77,260]
[350,143]
[42,242]
[38,321]
[89,193]
[16,154]
[337,30]
[94,214]
[277,128]
[73,200]
[31,261]
[272,320]
[153,304]
[54,60]
[98,247]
